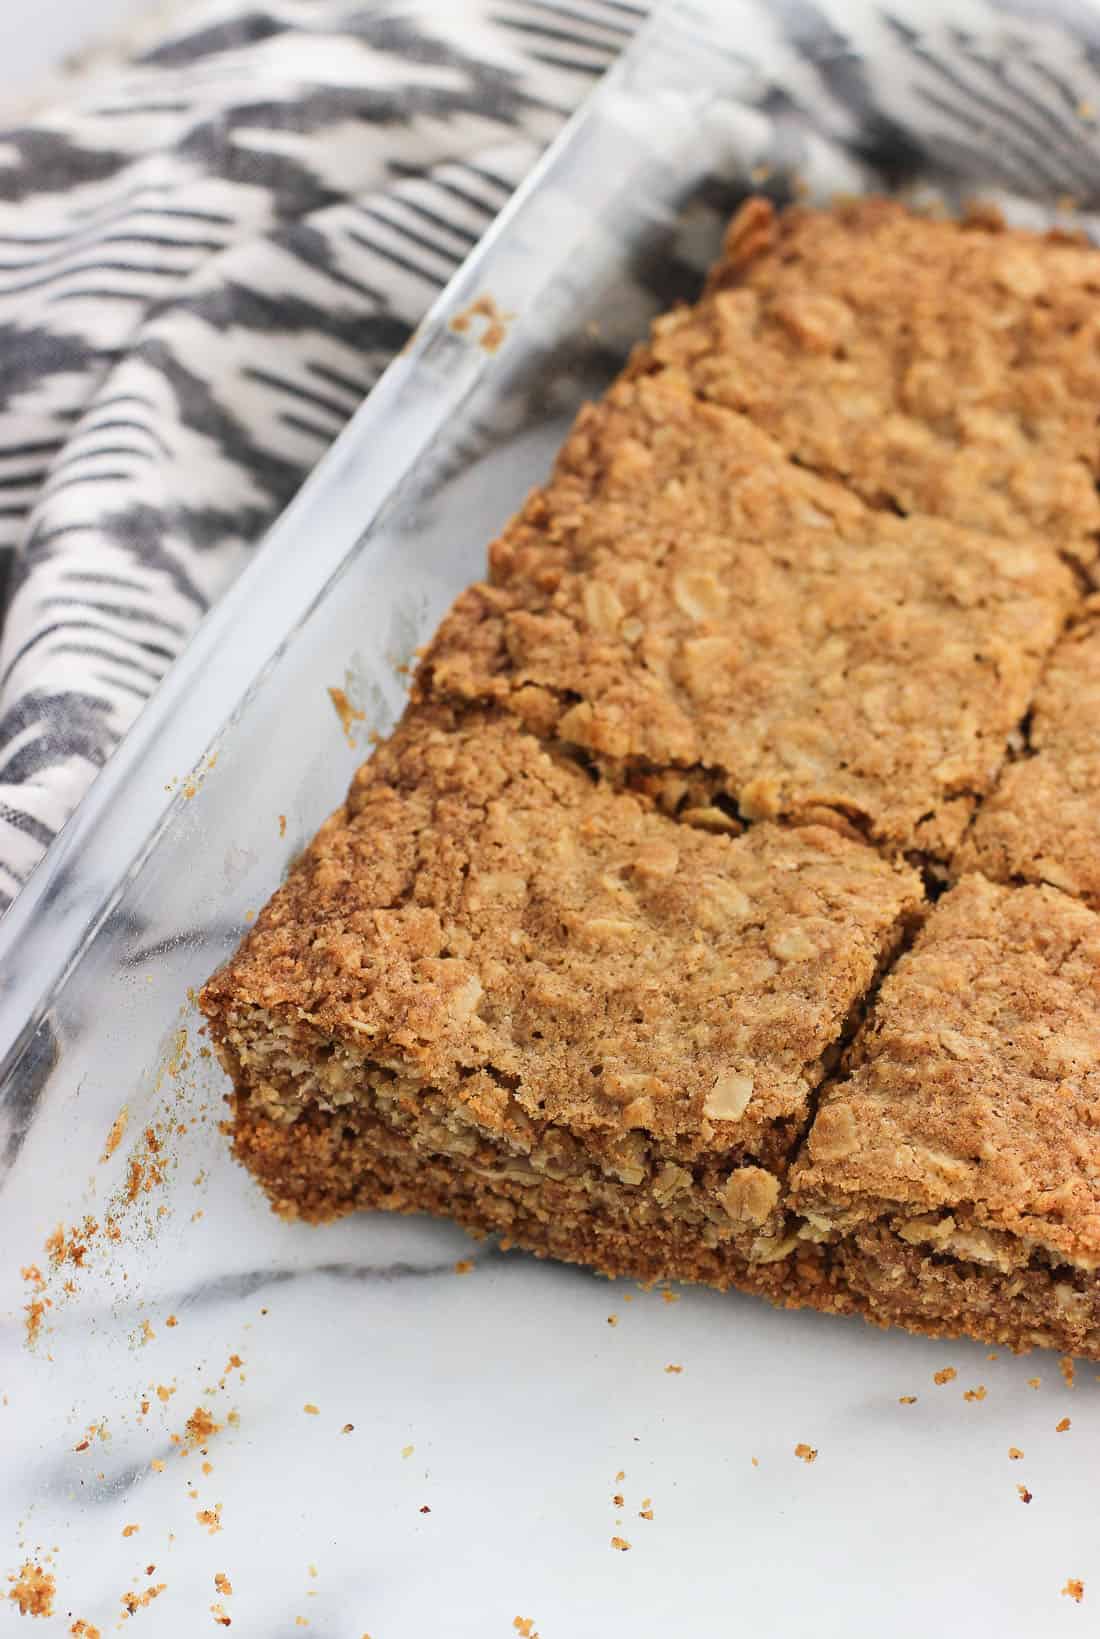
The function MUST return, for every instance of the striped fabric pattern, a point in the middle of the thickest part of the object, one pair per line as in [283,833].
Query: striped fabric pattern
[208,258]
[205,263]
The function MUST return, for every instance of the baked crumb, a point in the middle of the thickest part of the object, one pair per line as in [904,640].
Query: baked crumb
[1065,1366]
[222,1583]
[133,1602]
[1060,1428]
[807,1453]
[200,1426]
[115,1135]
[33,1589]
[130,1530]
[1075,1589]
[464,1266]
[1024,1493]
[211,1518]
[311,1410]
[947,1374]
[1014,1453]
[1034,1382]
[907,1399]
[621,1544]
[674,1369]
[975,1394]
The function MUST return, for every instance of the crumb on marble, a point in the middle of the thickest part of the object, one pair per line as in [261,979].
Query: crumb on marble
[132,1602]
[115,1136]
[33,1589]
[200,1426]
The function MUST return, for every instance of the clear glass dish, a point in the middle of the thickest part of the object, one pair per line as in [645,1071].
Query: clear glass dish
[402,1449]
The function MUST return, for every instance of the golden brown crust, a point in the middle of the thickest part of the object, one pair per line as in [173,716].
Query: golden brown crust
[934,366]
[486,921]
[1042,823]
[681,597]
[503,983]
[972,1106]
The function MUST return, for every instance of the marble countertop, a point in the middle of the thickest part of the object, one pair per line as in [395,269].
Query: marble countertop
[352,1430]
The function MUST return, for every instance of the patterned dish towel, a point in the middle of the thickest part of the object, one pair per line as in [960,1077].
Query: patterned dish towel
[207,257]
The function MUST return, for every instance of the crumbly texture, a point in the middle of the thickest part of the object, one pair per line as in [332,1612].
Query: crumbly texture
[682,600]
[965,1129]
[614,949]
[526,972]
[1042,823]
[669,1228]
[934,366]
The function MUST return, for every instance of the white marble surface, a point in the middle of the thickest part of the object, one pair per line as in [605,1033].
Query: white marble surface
[502,1401]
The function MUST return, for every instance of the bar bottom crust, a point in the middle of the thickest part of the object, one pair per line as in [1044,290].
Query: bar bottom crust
[326,1165]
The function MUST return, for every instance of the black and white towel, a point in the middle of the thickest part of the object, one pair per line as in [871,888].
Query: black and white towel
[206,260]
[208,256]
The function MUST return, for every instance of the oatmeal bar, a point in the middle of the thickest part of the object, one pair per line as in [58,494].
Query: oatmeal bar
[954,1169]
[1042,823]
[688,608]
[495,988]
[617,947]
[934,366]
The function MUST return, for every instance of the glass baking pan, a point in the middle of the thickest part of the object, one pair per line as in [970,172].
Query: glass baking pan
[381,1427]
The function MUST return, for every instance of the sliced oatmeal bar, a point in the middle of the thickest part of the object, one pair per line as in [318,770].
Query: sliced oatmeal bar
[954,1170]
[934,366]
[707,621]
[496,989]
[1042,823]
